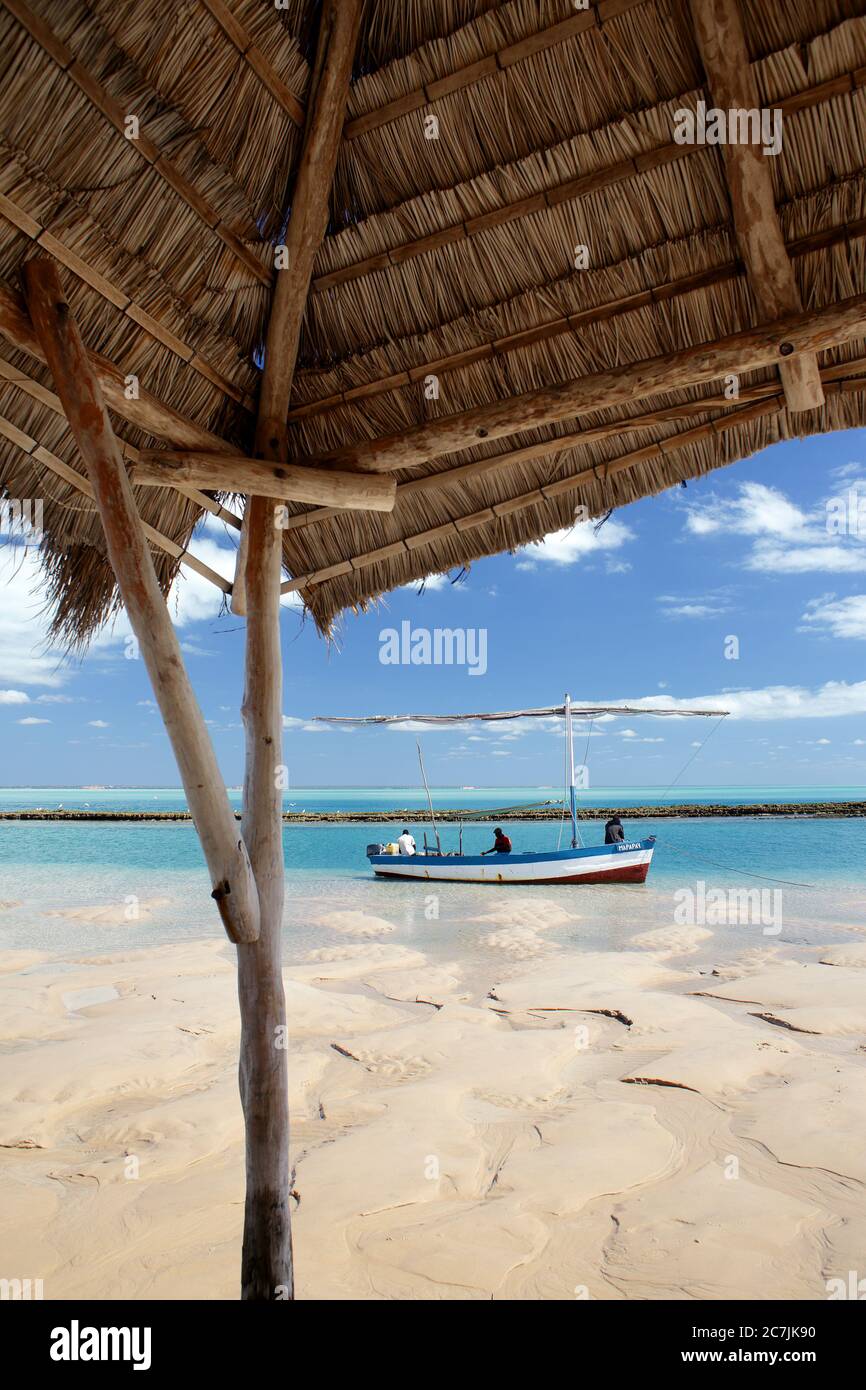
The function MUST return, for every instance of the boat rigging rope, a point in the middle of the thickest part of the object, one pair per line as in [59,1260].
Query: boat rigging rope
[701,746]
[734,868]
[702,858]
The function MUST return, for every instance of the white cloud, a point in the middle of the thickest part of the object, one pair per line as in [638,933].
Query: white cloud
[14,697]
[806,559]
[576,543]
[306,726]
[757,511]
[692,610]
[844,617]
[431,583]
[33,720]
[831,700]
[97,724]
[784,538]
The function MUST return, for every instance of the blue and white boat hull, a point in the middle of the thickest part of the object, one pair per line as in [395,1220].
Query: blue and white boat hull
[623,863]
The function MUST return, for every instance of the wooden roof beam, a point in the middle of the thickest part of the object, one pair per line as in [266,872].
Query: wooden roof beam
[606,177]
[765,346]
[147,412]
[469,472]
[41,32]
[570,323]
[719,32]
[285,481]
[549,491]
[151,327]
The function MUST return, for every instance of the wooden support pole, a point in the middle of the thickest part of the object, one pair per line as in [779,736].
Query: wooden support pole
[766,346]
[719,32]
[373,492]
[266,1268]
[234,889]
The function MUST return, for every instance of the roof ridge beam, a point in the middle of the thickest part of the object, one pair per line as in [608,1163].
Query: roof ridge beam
[718,29]
[98,95]
[568,191]
[593,17]
[763,346]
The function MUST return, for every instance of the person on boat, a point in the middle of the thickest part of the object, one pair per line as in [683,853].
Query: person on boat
[406,843]
[613,831]
[501,843]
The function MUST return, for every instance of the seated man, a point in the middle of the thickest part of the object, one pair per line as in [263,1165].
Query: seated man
[406,843]
[613,831]
[501,843]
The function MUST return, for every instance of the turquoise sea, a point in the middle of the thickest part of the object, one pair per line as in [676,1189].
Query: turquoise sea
[152,875]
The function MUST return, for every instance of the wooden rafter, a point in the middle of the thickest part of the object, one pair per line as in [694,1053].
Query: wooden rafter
[37,392]
[34,450]
[151,326]
[571,189]
[145,411]
[256,60]
[148,150]
[562,486]
[569,323]
[719,32]
[753,348]
[234,887]
[594,16]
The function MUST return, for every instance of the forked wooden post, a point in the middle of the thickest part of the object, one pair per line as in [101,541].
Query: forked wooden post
[267,1253]
[81,396]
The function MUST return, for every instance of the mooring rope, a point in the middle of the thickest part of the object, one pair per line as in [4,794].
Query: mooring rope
[735,868]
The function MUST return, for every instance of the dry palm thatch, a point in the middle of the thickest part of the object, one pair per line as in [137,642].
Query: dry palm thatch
[447,279]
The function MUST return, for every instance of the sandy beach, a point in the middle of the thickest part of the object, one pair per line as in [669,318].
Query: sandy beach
[553,1124]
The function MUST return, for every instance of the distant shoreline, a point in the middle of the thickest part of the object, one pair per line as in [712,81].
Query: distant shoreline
[811,810]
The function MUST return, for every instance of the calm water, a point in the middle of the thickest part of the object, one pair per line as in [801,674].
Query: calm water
[396,798]
[54,867]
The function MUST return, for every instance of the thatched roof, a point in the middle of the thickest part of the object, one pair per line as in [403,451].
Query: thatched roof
[449,257]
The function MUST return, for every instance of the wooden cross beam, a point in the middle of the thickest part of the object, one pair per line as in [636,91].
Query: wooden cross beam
[238,473]
[234,888]
[719,32]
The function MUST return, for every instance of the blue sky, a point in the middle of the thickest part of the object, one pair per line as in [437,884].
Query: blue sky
[645,608]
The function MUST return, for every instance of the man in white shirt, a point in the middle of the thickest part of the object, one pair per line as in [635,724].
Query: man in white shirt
[406,843]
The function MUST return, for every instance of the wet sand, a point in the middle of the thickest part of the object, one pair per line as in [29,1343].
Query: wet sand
[545,1123]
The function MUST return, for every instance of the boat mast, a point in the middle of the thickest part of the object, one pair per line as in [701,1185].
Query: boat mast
[429,798]
[569,736]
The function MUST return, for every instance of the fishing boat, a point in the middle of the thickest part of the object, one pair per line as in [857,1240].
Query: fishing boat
[623,862]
